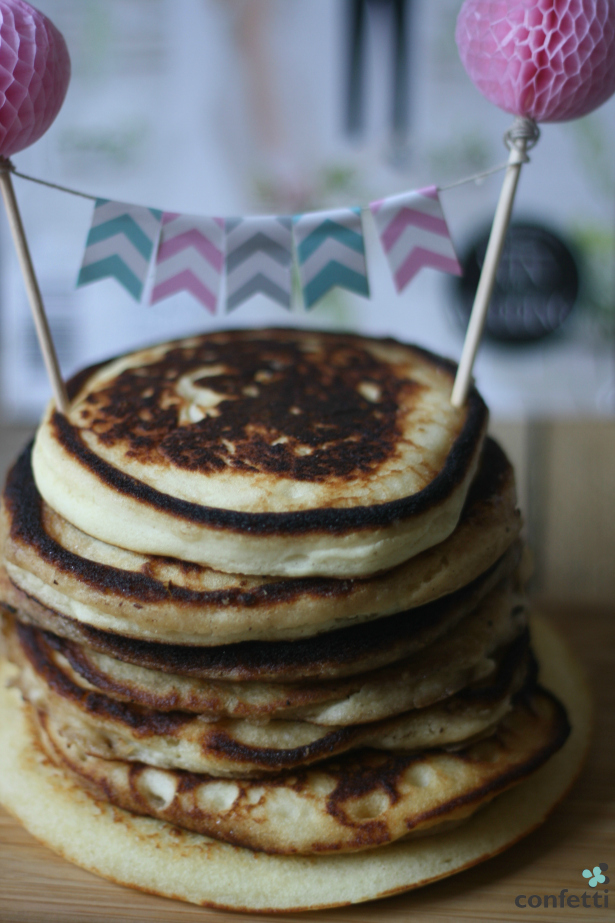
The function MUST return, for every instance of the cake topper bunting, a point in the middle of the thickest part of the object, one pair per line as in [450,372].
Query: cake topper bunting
[541,60]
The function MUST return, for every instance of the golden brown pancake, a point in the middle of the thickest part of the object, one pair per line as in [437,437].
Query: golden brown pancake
[267,589]
[355,802]
[464,655]
[341,653]
[336,702]
[111,728]
[244,749]
[161,599]
[282,452]
[161,858]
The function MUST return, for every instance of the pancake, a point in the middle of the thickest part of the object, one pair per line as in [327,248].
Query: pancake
[242,749]
[464,656]
[163,859]
[168,600]
[176,739]
[362,800]
[265,600]
[278,452]
[341,653]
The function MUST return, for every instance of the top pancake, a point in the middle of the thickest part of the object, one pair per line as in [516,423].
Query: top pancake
[276,452]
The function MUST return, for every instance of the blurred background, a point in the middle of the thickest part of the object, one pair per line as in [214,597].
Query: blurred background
[227,107]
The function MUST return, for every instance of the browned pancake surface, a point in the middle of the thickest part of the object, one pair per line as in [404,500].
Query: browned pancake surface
[149,593]
[273,398]
[355,802]
[470,653]
[344,652]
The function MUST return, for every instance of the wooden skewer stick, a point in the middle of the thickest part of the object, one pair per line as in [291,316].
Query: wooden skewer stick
[34,295]
[522,135]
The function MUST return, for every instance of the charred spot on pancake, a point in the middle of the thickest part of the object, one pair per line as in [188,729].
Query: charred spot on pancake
[81,378]
[362,434]
[376,772]
[266,404]
[224,745]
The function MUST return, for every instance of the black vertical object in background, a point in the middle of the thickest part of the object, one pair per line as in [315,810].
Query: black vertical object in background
[397,11]
[399,120]
[356,48]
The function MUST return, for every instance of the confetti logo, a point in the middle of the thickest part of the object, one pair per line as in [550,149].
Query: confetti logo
[598,900]
[596,875]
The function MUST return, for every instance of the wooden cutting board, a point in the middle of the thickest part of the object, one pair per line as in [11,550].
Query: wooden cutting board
[38,887]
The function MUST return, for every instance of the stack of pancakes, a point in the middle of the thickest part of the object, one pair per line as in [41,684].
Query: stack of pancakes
[265,586]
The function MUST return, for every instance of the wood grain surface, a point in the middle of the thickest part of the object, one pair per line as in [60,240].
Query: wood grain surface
[38,887]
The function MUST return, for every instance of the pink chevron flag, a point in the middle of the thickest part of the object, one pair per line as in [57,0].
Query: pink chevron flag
[414,234]
[190,258]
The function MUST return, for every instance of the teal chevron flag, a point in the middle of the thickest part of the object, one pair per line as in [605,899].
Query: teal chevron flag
[120,245]
[330,252]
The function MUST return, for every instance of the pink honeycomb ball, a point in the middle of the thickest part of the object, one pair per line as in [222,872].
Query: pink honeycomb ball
[34,75]
[549,60]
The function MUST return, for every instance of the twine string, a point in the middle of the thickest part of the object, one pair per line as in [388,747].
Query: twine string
[475,178]
[7,166]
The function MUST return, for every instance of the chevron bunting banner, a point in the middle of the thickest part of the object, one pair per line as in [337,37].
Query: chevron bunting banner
[190,257]
[414,234]
[120,245]
[330,252]
[258,259]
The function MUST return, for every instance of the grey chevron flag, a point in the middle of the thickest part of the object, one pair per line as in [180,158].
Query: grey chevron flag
[258,259]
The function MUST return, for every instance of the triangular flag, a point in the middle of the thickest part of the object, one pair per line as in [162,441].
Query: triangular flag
[120,244]
[258,259]
[330,252]
[414,234]
[190,257]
